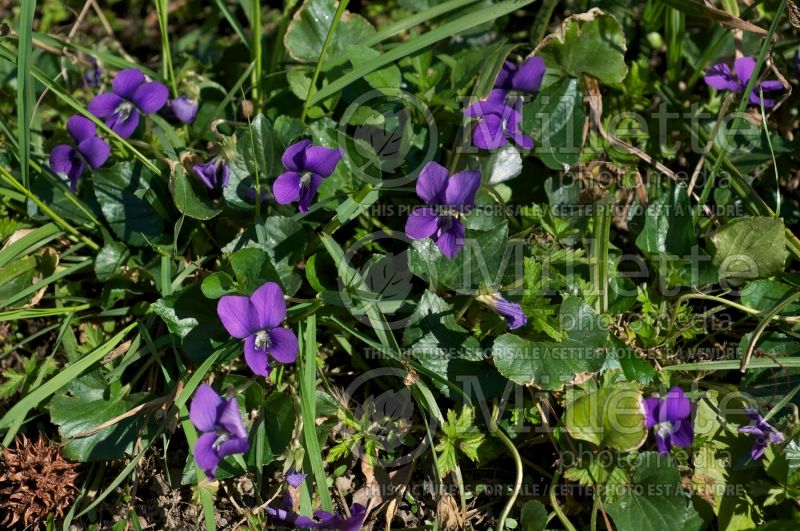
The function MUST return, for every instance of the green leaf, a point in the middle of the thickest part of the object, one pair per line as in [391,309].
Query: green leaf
[284,241]
[193,319]
[589,43]
[764,295]
[751,247]
[611,417]
[190,197]
[252,268]
[654,500]
[555,120]
[483,262]
[217,284]
[131,218]
[550,365]
[309,27]
[110,258]
[533,516]
[87,403]
[668,225]
[449,350]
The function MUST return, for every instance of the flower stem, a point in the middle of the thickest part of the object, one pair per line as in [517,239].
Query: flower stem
[497,432]
[556,507]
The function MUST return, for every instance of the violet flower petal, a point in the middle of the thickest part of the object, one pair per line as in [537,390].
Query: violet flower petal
[720,77]
[744,67]
[432,183]
[150,97]
[256,358]
[205,455]
[451,240]
[203,409]
[529,75]
[512,312]
[80,128]
[683,433]
[675,406]
[651,411]
[283,345]
[489,133]
[237,315]
[286,187]
[105,105]
[270,306]
[461,188]
[422,223]
[293,158]
[62,158]
[321,160]
[125,127]
[234,445]
[95,151]
[184,109]
[307,192]
[126,82]
[231,419]
[295,478]
[503,80]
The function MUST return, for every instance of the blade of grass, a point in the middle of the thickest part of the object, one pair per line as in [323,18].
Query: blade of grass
[232,21]
[39,237]
[763,326]
[313,85]
[47,210]
[162,10]
[400,26]
[601,235]
[308,406]
[25,86]
[256,52]
[728,365]
[444,31]
[30,290]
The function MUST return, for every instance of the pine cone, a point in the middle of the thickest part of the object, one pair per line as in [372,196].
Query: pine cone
[35,482]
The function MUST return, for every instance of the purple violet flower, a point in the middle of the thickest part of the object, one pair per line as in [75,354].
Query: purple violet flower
[223,430]
[257,319]
[214,174]
[526,77]
[91,151]
[448,198]
[130,96]
[763,431]
[720,77]
[295,478]
[308,165]
[184,109]
[670,418]
[512,312]
[498,121]
[93,75]
[324,520]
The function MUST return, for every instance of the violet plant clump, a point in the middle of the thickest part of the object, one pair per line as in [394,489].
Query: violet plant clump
[257,320]
[308,165]
[131,97]
[221,426]
[670,419]
[319,265]
[88,150]
[447,199]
